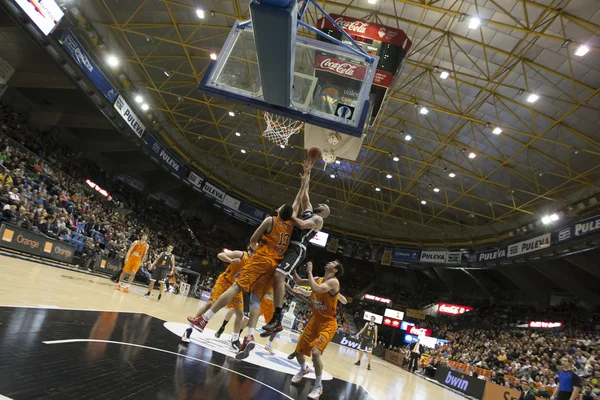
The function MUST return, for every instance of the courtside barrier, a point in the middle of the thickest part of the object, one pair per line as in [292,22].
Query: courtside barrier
[28,242]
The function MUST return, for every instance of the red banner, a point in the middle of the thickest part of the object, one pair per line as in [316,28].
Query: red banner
[377,298]
[341,68]
[414,330]
[453,309]
[543,324]
[369,30]
[383,78]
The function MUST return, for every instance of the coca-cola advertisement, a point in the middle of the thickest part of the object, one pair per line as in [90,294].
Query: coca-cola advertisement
[453,309]
[339,67]
[369,30]
[417,331]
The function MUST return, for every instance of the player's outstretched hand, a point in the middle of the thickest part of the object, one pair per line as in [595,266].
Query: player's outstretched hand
[307,165]
[309,266]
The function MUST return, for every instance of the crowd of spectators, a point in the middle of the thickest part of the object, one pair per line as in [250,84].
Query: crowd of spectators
[43,190]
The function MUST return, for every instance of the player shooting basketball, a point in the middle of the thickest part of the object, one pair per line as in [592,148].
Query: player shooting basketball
[305,228]
[270,242]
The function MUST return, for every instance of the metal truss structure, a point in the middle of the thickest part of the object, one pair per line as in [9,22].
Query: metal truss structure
[455,180]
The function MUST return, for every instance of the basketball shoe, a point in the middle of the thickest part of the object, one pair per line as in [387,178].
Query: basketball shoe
[198,323]
[246,348]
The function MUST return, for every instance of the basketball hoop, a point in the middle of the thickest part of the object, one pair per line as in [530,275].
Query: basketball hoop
[279,129]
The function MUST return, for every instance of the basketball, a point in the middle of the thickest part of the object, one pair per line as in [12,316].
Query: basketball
[314,153]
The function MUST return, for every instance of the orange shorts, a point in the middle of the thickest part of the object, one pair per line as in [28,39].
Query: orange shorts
[267,308]
[257,275]
[221,285]
[317,333]
[132,265]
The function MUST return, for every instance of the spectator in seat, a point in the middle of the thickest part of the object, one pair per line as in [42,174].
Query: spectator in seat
[528,391]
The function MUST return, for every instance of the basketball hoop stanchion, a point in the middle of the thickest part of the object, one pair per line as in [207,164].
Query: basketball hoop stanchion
[279,129]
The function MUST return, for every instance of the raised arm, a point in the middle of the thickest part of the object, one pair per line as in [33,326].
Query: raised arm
[315,222]
[305,199]
[331,284]
[304,179]
[230,256]
[265,227]
[298,280]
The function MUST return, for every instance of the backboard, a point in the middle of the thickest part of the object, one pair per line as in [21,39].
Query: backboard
[330,89]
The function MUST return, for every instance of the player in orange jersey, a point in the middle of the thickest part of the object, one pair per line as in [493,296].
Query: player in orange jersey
[237,260]
[271,241]
[322,325]
[135,257]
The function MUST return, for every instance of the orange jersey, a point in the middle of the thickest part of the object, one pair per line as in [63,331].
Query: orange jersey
[139,249]
[323,304]
[233,270]
[275,243]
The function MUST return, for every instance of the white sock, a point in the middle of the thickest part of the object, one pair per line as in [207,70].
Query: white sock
[250,332]
[235,336]
[303,367]
[208,315]
[318,380]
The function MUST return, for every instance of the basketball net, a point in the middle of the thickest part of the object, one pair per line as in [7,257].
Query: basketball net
[279,129]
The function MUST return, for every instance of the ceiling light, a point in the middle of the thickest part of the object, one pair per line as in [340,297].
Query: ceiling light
[213,56]
[497,130]
[243,151]
[546,220]
[554,217]
[378,189]
[423,202]
[436,190]
[231,113]
[451,174]
[389,176]
[145,107]
[533,98]
[112,61]
[444,74]
[396,158]
[472,155]
[474,23]
[332,176]
[139,99]
[371,1]
[167,73]
[424,111]
[407,138]
[282,146]
[200,13]
[338,162]
[238,134]
[582,50]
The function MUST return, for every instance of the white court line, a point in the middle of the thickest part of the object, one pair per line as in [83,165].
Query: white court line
[4,398]
[44,306]
[168,352]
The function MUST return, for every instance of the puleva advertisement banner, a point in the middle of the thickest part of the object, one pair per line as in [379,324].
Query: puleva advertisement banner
[195,180]
[581,228]
[490,255]
[88,66]
[213,192]
[164,157]
[129,116]
[527,246]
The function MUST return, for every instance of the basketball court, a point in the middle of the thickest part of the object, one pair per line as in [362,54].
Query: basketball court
[67,334]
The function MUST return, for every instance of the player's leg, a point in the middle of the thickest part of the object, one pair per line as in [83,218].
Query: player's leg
[249,344]
[293,257]
[199,323]
[150,288]
[317,390]
[136,265]
[161,289]
[269,346]
[126,270]
[360,354]
[303,348]
[369,354]
[228,316]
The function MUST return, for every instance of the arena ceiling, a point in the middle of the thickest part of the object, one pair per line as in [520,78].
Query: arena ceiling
[545,158]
